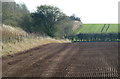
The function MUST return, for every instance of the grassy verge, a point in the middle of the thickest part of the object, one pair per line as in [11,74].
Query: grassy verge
[13,43]
[26,44]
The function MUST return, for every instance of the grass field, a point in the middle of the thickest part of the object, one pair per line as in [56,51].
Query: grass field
[98,28]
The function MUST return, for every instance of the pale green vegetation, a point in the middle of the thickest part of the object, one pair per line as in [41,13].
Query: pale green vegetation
[97,28]
[113,28]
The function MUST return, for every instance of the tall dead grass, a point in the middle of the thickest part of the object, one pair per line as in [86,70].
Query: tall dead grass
[16,40]
[10,34]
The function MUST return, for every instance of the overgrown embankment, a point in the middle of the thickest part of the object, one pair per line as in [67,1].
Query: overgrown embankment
[16,40]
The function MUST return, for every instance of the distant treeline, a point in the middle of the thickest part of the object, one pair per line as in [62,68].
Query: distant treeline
[96,37]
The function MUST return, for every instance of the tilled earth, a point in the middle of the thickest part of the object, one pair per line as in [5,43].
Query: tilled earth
[83,59]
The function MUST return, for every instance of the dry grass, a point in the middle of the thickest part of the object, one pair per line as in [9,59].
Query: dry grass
[26,43]
[11,48]
[11,33]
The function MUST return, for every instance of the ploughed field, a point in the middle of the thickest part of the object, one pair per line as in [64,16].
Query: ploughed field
[82,59]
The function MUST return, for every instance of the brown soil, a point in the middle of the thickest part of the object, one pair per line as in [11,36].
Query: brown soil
[84,59]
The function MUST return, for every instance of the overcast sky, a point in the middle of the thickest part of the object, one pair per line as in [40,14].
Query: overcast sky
[90,11]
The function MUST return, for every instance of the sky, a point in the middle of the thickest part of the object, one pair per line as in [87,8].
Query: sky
[90,11]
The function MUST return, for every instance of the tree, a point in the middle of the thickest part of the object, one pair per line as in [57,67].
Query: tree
[16,15]
[64,27]
[73,17]
[8,11]
[24,19]
[45,18]
[67,27]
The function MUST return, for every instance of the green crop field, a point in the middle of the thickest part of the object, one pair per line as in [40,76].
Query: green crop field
[98,28]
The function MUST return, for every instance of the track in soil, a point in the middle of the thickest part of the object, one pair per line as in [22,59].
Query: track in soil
[84,59]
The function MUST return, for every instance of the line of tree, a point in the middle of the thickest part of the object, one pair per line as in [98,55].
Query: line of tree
[95,37]
[46,20]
